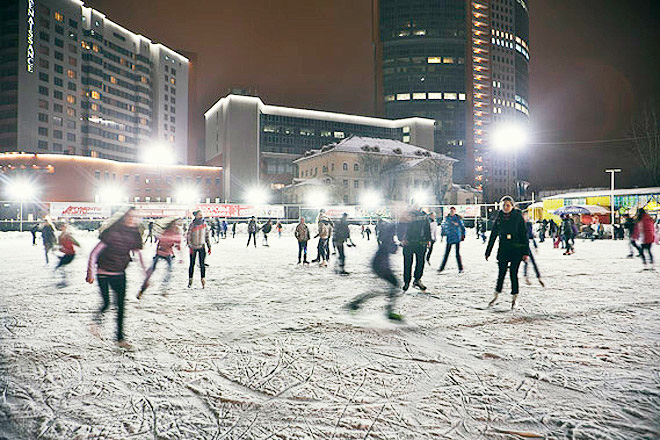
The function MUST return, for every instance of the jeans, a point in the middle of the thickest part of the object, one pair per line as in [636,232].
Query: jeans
[64,260]
[430,251]
[646,247]
[536,268]
[342,255]
[458,256]
[416,251]
[302,250]
[193,255]
[513,267]
[323,250]
[381,266]
[118,285]
[166,279]
[252,235]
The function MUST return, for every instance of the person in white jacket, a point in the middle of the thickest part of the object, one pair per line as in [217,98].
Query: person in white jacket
[434,235]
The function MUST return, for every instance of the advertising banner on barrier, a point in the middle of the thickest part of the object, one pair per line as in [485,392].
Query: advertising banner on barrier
[88,211]
[467,210]
[158,210]
[230,210]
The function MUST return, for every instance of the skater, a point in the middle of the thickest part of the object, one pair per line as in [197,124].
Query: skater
[197,236]
[482,231]
[341,234]
[252,231]
[224,226]
[33,230]
[568,234]
[265,229]
[530,236]
[629,228]
[48,237]
[108,261]
[454,229]
[644,234]
[513,248]
[150,232]
[362,230]
[324,231]
[66,244]
[433,224]
[414,232]
[166,242]
[302,235]
[381,267]
[367,231]
[233,230]
[543,225]
[278,227]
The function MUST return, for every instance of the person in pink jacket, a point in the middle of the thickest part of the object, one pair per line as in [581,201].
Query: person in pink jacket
[644,235]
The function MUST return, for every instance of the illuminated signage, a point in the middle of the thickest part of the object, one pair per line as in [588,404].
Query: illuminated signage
[30,36]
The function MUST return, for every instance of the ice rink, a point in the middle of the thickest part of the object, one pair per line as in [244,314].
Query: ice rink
[267,351]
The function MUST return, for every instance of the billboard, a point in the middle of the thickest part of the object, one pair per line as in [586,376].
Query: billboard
[88,211]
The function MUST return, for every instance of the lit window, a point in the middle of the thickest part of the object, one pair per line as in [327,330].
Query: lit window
[403,97]
[70,111]
[406,129]
[434,60]
[435,95]
[95,95]
[461,96]
[389,98]
[95,107]
[172,80]
[419,95]
[70,99]
[95,48]
[113,80]
[59,17]
[448,60]
[406,139]
[451,96]
[71,73]
[339,134]
[420,32]
[121,138]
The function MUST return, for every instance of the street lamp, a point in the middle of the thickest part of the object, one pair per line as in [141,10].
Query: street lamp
[110,195]
[316,198]
[509,138]
[257,196]
[158,154]
[612,172]
[420,197]
[21,189]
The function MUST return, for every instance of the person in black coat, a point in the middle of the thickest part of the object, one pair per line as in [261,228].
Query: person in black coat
[414,232]
[513,248]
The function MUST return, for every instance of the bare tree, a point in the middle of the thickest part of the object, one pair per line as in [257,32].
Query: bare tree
[646,139]
[439,175]
[383,171]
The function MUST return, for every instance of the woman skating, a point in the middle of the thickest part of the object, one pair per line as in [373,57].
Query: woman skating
[513,248]
[197,237]
[108,261]
[167,241]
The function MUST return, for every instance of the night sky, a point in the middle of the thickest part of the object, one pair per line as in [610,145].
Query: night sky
[593,67]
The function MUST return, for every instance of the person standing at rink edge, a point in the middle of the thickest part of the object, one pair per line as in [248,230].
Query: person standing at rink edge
[302,235]
[197,237]
[509,227]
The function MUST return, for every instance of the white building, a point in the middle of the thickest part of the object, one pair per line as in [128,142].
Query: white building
[256,143]
[75,82]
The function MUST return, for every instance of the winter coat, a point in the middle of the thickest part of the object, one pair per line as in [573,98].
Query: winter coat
[417,230]
[341,232]
[325,226]
[48,235]
[267,228]
[168,240]
[567,228]
[198,234]
[434,229]
[67,242]
[302,232]
[120,240]
[510,229]
[453,228]
[644,230]
[252,226]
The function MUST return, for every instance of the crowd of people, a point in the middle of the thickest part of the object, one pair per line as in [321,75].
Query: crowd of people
[415,232]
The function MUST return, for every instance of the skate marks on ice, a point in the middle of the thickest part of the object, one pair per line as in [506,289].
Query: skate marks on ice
[265,351]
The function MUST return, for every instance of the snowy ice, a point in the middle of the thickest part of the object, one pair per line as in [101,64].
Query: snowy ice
[267,350]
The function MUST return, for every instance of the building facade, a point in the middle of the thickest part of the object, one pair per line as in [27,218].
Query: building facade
[74,82]
[67,178]
[348,170]
[466,65]
[256,143]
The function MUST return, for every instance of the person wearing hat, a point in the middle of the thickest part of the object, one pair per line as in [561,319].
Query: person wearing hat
[197,237]
[169,239]
[252,231]
[509,227]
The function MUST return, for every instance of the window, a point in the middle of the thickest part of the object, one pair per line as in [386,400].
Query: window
[58,68]
[58,81]
[332,167]
[73,23]
[43,104]
[43,63]
[43,76]
[44,36]
[43,90]
[59,43]
[345,182]
[70,99]
[44,50]
[71,125]
[43,131]
[59,30]
[72,86]
[58,108]
[344,167]
[339,135]
[57,147]
[137,178]
[356,184]
[434,60]
[73,61]
[59,56]
[95,95]
[436,95]
[58,17]
[70,111]
[57,134]
[208,181]
[95,107]
[58,94]
[57,121]
[451,96]
[356,167]
[70,137]
[172,119]
[42,144]
[43,117]
[403,97]
[71,73]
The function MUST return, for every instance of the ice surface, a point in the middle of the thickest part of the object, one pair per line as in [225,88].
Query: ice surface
[266,350]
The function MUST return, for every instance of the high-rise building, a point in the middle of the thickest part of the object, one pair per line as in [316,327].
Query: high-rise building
[464,63]
[256,143]
[74,82]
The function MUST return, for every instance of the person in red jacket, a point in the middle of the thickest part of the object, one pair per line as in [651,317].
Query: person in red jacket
[66,244]
[167,241]
[644,234]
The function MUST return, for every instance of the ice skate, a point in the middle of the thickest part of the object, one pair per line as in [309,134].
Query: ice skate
[419,285]
[95,330]
[527,281]
[394,317]
[124,345]
[494,300]
[541,282]
[203,283]
[513,301]
[190,280]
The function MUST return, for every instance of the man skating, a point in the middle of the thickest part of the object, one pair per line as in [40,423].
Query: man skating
[341,234]
[197,237]
[414,232]
[302,235]
[252,231]
[454,229]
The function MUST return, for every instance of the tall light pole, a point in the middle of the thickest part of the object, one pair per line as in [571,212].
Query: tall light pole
[612,172]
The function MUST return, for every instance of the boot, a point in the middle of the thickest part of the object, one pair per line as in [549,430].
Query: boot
[541,282]
[494,300]
[419,285]
[513,301]
[189,283]
[203,283]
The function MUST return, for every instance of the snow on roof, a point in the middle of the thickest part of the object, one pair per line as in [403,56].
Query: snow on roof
[389,147]
[605,192]
[307,182]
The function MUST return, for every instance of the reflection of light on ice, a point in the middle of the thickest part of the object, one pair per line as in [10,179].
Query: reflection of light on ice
[268,345]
